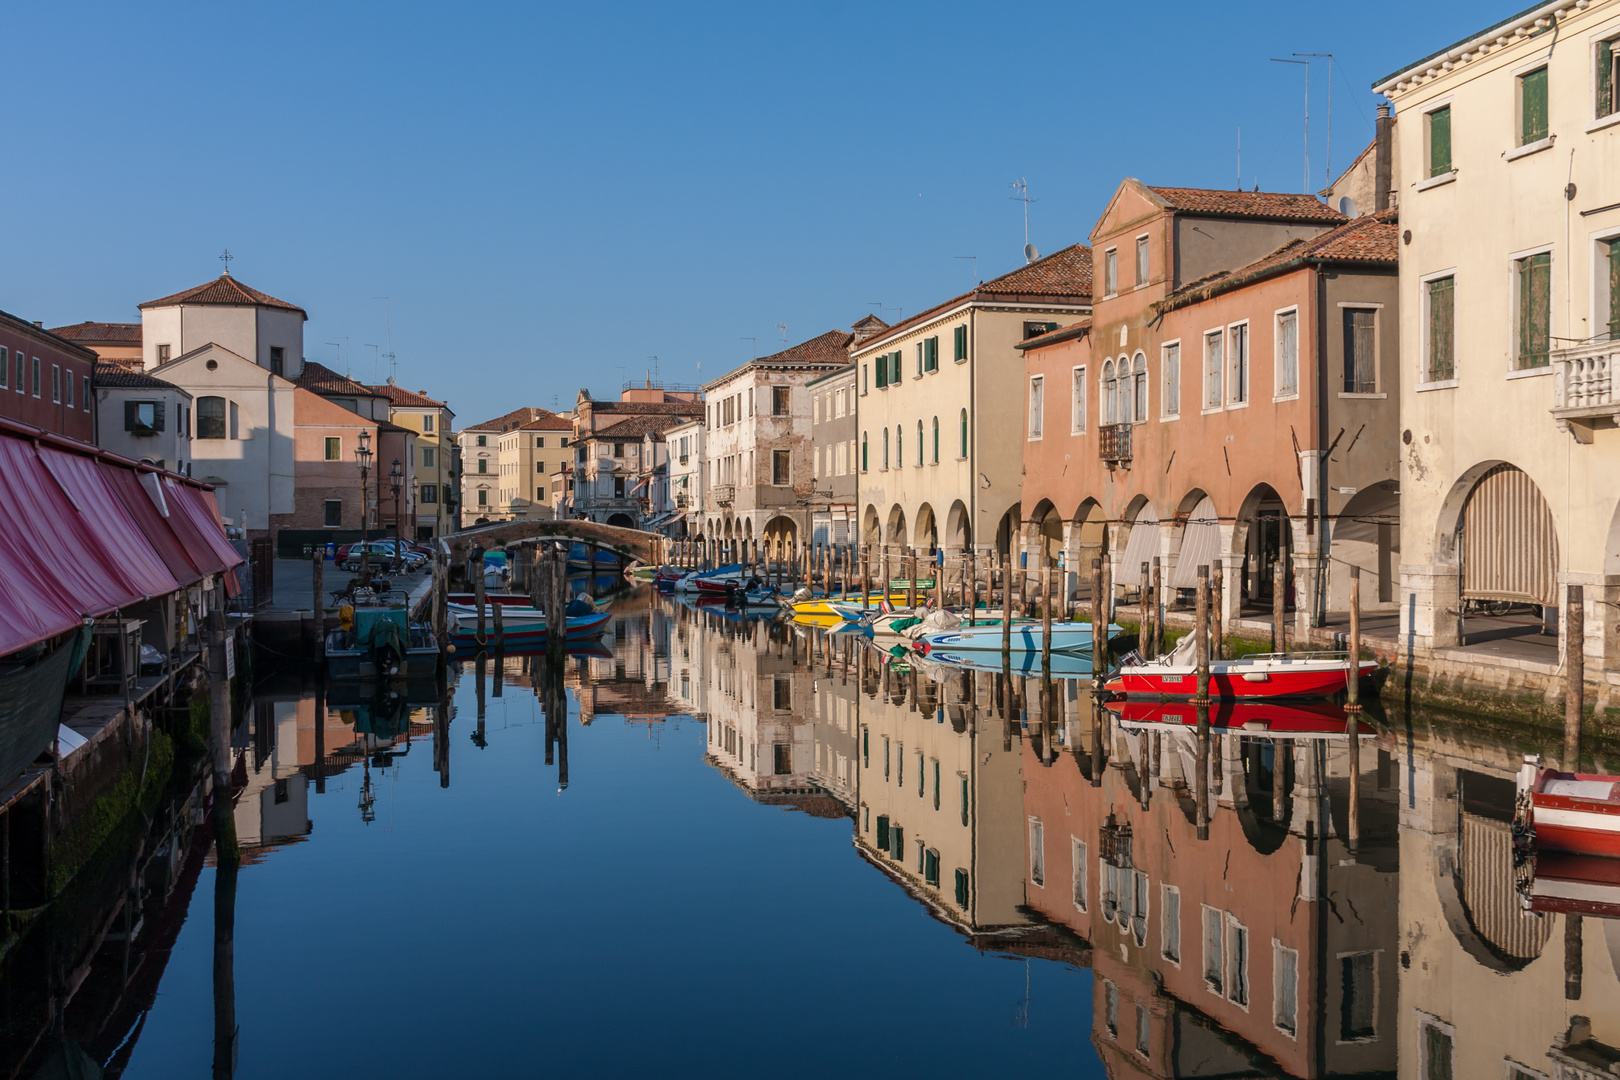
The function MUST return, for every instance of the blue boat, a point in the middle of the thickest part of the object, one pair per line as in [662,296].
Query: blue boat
[1065,665]
[591,557]
[1025,637]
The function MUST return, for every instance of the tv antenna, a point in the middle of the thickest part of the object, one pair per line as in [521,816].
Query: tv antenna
[655,374]
[782,326]
[1021,186]
[1306,64]
[338,345]
[388,329]
[975,261]
[1327,170]
[369,345]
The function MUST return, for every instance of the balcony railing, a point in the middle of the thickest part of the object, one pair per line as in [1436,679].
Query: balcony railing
[1114,444]
[724,493]
[1583,387]
[683,501]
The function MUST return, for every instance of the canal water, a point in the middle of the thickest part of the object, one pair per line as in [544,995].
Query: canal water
[728,847]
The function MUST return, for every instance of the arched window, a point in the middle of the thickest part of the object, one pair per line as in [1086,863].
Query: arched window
[1139,377]
[1127,395]
[865,463]
[899,446]
[211,418]
[936,440]
[1109,392]
[919,443]
[962,450]
[885,448]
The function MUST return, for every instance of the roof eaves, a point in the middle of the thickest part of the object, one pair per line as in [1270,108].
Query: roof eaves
[1456,49]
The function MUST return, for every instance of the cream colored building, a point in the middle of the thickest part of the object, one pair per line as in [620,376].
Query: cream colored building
[1509,142]
[940,400]
[760,735]
[505,470]
[432,421]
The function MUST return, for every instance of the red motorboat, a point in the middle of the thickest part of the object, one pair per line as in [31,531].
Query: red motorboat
[1266,675]
[1578,813]
[1574,884]
[1303,719]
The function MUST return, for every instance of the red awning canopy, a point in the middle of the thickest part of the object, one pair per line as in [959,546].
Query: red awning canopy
[123,545]
[198,508]
[138,500]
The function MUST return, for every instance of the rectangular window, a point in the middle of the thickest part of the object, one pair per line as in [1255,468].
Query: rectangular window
[236,421]
[483,497]
[162,354]
[882,371]
[782,759]
[1111,1007]
[20,365]
[1237,962]
[5,367]
[334,448]
[897,842]
[1170,923]
[334,513]
[143,417]
[919,351]
[1110,272]
[931,354]
[1441,298]
[1288,354]
[34,381]
[211,418]
[931,867]
[1238,350]
[894,367]
[483,440]
[1532,106]
[1077,402]
[1077,855]
[960,336]
[430,493]
[429,457]
[1036,329]
[483,465]
[1434,1049]
[618,449]
[1358,1017]
[1037,853]
[1142,1030]
[883,832]
[427,425]
[1611,265]
[885,757]
[85,399]
[1439,122]
[1037,390]
[1141,260]
[278,360]
[1214,949]
[1171,355]
[1535,310]
[962,889]
[1608,75]
[67,390]
[964,801]
[779,401]
[781,467]
[1214,365]
[1360,351]
[1285,988]
[618,487]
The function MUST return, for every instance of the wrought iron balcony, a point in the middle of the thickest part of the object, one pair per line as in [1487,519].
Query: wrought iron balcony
[724,493]
[1114,444]
[682,501]
[1583,387]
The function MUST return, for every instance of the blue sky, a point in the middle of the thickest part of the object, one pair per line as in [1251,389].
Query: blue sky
[550,195]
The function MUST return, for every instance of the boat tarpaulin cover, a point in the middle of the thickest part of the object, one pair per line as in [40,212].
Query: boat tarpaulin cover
[127,485]
[31,707]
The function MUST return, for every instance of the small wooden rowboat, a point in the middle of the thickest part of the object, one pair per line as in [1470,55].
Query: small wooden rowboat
[1269,675]
[1577,813]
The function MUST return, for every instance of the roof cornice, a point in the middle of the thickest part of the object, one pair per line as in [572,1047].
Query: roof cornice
[1509,31]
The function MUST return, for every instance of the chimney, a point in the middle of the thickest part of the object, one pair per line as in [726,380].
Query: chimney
[39,324]
[1382,161]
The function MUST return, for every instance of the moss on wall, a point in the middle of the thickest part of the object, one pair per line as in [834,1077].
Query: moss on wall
[129,794]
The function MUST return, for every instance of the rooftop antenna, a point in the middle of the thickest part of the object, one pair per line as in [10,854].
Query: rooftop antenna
[226,257]
[1306,64]
[655,373]
[975,260]
[339,348]
[1240,157]
[1021,186]
[374,354]
[782,326]
[755,343]
[1327,171]
[388,329]
[899,313]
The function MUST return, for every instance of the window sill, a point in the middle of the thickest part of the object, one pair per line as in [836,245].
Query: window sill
[1438,384]
[1168,417]
[1438,180]
[1073,433]
[1603,122]
[1529,148]
[1237,404]
[1285,397]
[1209,410]
[1529,373]
[1367,397]
[963,458]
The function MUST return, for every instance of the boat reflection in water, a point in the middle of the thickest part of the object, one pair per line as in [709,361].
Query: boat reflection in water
[1226,904]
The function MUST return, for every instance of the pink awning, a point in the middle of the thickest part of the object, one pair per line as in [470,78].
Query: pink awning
[123,544]
[158,529]
[199,508]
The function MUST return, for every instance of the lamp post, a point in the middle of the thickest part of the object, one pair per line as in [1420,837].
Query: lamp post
[396,477]
[362,457]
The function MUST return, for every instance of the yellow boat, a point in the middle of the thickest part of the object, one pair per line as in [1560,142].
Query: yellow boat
[820,608]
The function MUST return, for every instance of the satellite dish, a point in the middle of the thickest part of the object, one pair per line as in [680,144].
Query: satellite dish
[1030,254]
[1347,207]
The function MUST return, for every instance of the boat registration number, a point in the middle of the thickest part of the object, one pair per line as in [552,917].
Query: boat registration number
[1172,678]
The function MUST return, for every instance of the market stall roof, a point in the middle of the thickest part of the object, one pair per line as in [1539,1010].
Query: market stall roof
[140,498]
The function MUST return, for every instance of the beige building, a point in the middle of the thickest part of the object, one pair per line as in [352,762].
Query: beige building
[1509,142]
[761,475]
[116,343]
[941,405]
[501,475]
[432,421]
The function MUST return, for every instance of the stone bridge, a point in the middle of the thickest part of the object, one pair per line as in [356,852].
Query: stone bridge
[643,547]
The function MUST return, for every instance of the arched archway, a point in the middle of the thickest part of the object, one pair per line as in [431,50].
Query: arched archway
[1046,531]
[1007,530]
[958,528]
[895,533]
[779,534]
[1196,539]
[1263,534]
[1366,534]
[623,521]
[1497,540]
[925,536]
[1142,542]
[871,529]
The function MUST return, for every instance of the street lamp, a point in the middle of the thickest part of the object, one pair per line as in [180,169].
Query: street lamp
[396,476]
[362,457]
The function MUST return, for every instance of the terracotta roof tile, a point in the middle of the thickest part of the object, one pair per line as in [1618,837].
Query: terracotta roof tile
[101,331]
[649,408]
[635,427]
[547,423]
[870,322]
[223,290]
[1274,205]
[831,348]
[1063,276]
[1373,240]
[514,419]
[406,398]
[323,380]
[117,375]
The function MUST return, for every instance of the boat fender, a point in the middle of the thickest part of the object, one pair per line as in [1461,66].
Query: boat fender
[1256,676]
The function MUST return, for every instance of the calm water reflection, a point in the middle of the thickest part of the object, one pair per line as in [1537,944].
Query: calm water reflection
[729,847]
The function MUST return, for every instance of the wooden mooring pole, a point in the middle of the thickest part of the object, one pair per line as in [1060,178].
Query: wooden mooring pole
[1352,723]
[1099,627]
[1279,598]
[1574,675]
[318,603]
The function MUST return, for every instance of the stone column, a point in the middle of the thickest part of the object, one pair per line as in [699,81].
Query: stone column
[1429,598]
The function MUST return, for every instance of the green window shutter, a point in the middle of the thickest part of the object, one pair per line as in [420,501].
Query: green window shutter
[157,416]
[882,372]
[1614,290]
[1440,141]
[1535,314]
[897,841]
[883,832]
[961,342]
[1442,328]
[894,366]
[1605,78]
[961,888]
[1533,106]
[132,419]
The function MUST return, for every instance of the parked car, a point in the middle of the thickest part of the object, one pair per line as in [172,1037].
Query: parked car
[382,554]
